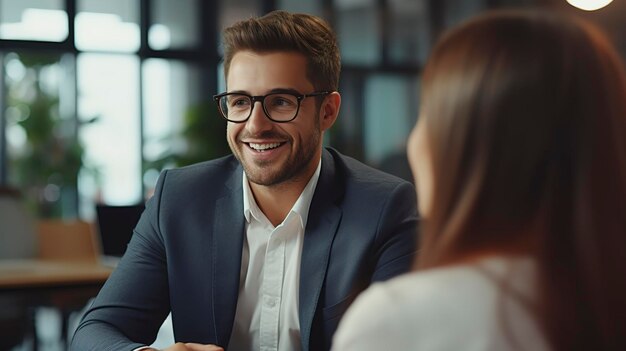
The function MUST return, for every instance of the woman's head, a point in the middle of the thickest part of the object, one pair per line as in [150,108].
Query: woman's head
[521,111]
[522,137]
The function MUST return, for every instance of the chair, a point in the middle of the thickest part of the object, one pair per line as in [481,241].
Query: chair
[18,239]
[115,226]
[61,240]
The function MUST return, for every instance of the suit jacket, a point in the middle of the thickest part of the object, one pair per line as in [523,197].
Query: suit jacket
[185,255]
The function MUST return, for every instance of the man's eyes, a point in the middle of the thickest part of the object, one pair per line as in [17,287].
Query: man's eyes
[240,102]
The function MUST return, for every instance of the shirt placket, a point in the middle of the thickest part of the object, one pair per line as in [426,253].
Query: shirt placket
[272,292]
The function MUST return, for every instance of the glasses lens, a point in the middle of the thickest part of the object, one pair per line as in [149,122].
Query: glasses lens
[281,107]
[235,107]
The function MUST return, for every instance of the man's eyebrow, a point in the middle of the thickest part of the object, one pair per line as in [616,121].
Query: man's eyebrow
[285,90]
[239,92]
[273,91]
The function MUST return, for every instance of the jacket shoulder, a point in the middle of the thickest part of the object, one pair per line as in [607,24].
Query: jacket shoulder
[357,172]
[212,170]
[190,184]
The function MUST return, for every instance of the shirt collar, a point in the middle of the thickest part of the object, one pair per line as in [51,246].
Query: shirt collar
[301,207]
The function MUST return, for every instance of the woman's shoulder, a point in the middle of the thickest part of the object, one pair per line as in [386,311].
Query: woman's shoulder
[459,287]
[438,306]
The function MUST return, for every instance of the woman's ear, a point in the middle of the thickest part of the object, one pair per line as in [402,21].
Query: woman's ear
[329,110]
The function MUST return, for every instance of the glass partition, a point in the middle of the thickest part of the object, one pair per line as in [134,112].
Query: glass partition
[360,44]
[43,20]
[170,93]
[111,25]
[175,24]
[43,152]
[108,105]
[389,117]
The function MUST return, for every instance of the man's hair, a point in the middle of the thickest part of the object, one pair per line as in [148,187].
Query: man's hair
[308,35]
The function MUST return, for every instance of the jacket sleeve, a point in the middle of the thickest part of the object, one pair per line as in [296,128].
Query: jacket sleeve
[134,301]
[397,236]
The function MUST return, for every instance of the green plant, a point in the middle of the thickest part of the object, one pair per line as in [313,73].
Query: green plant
[47,165]
[204,137]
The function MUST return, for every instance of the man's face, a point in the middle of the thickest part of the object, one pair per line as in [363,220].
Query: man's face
[274,153]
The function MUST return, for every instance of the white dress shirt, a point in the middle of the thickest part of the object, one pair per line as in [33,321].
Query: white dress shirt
[267,308]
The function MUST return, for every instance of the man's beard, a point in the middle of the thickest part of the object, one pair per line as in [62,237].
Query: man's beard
[292,169]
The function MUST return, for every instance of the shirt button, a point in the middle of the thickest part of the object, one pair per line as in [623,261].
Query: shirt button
[271,302]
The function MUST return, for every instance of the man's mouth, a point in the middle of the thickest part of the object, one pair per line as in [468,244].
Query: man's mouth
[264,147]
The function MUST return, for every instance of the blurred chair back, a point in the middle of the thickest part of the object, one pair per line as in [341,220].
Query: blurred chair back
[115,227]
[67,241]
[18,238]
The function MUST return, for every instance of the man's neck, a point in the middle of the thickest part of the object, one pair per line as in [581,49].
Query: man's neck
[277,200]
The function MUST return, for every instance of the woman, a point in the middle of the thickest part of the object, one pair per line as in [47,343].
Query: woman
[519,157]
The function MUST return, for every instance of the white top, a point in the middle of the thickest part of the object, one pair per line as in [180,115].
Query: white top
[267,308]
[472,307]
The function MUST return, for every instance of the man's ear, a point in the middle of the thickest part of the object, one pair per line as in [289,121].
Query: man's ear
[329,110]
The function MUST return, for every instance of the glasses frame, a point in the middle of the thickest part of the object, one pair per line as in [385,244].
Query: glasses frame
[261,99]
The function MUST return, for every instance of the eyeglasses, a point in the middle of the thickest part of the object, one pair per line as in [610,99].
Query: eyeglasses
[278,107]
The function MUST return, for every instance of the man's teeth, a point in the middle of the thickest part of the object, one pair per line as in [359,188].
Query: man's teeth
[261,147]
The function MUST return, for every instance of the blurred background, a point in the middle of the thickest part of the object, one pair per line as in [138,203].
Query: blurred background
[96,97]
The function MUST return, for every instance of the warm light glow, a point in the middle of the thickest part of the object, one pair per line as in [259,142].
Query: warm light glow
[589,5]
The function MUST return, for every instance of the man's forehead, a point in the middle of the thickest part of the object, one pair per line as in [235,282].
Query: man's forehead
[250,70]
[285,59]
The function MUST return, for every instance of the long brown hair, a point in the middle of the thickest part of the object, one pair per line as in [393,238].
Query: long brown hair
[526,127]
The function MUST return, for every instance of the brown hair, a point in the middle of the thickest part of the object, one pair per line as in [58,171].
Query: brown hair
[526,128]
[283,31]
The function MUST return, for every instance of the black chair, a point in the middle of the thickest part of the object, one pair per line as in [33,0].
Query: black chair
[115,225]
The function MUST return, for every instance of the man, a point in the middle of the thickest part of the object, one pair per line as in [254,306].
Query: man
[264,249]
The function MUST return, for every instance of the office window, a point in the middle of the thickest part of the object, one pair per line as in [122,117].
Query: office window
[456,11]
[346,134]
[388,116]
[43,20]
[42,150]
[174,25]
[221,79]
[232,11]
[170,97]
[108,95]
[89,87]
[310,7]
[408,38]
[360,44]
[111,25]
[181,124]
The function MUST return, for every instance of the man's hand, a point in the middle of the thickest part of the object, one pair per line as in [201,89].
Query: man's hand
[179,346]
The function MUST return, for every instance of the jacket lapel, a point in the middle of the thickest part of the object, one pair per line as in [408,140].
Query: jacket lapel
[324,217]
[228,231]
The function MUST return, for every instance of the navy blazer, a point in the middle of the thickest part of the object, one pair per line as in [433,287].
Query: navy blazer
[185,255]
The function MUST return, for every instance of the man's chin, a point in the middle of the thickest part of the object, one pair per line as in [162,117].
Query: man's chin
[262,174]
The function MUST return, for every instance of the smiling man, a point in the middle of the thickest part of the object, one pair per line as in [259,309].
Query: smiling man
[264,249]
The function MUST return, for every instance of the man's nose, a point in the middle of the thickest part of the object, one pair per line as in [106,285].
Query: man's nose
[258,120]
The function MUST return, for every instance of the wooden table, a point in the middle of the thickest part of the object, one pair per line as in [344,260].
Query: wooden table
[33,274]
[66,285]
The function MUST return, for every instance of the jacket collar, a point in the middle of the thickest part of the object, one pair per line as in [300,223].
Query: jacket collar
[324,217]
[228,234]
